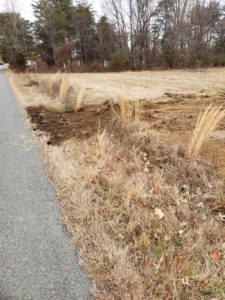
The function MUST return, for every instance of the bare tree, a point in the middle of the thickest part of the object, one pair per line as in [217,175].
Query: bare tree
[133,21]
[12,8]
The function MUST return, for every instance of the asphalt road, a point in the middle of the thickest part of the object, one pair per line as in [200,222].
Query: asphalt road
[37,258]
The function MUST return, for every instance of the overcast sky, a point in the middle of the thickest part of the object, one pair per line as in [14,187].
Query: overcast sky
[25,7]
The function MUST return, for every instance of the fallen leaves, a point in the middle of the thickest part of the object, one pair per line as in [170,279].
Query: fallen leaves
[158,213]
[215,254]
[185,281]
[220,217]
[203,284]
[198,232]
[181,232]
[156,277]
[142,203]
[167,237]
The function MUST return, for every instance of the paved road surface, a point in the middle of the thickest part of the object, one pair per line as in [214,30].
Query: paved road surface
[37,259]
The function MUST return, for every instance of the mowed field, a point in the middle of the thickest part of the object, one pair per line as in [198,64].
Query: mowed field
[151,86]
[146,215]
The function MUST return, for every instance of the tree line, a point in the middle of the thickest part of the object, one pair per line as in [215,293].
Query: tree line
[132,34]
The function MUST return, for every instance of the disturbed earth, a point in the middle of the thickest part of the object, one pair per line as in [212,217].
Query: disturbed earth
[176,118]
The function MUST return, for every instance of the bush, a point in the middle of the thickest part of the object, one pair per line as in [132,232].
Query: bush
[118,62]
[220,60]
[19,61]
[94,66]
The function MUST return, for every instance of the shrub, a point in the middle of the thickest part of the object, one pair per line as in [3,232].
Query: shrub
[118,62]
[19,61]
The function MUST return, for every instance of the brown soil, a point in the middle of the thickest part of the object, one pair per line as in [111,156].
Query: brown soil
[176,119]
[62,126]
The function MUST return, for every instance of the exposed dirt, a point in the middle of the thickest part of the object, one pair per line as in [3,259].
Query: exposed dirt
[178,121]
[176,118]
[62,126]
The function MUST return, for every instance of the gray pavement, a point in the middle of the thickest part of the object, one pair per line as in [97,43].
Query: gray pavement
[37,258]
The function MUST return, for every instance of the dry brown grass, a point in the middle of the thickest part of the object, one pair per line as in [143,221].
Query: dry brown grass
[64,89]
[145,85]
[208,120]
[148,222]
[126,109]
[51,87]
[153,86]
[30,80]
[138,110]
[80,97]
[111,195]
[55,88]
[130,111]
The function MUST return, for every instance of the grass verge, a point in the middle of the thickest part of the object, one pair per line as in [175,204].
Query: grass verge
[148,222]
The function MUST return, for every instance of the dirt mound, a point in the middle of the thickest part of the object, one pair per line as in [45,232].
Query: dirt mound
[62,126]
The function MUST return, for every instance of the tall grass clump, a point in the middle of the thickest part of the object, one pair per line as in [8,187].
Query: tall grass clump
[130,111]
[137,110]
[54,84]
[51,87]
[207,122]
[126,109]
[63,90]
[80,98]
[31,80]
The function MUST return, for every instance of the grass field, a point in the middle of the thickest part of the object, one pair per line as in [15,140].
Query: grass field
[144,85]
[145,212]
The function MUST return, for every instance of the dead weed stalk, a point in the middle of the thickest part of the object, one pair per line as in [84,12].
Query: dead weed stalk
[64,89]
[80,98]
[130,110]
